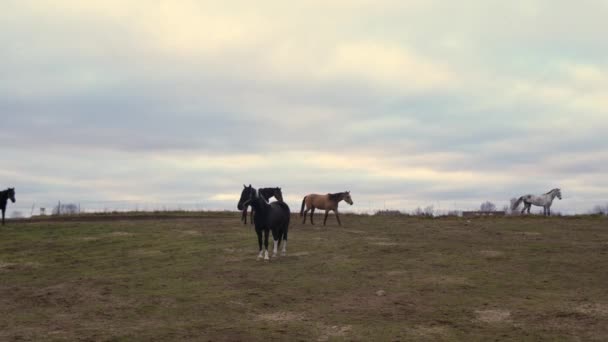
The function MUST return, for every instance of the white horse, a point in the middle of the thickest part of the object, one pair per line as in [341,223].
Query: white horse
[544,201]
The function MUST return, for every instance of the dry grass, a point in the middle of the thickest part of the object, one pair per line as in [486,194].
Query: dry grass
[378,278]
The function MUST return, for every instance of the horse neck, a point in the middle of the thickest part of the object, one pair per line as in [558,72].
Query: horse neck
[553,195]
[266,193]
[259,204]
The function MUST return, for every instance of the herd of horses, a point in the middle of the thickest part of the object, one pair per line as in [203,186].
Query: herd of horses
[273,218]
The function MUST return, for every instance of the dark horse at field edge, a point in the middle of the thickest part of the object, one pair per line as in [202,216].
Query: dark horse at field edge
[269,217]
[267,194]
[327,202]
[4,197]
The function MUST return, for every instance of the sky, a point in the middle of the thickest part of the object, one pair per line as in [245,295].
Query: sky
[405,103]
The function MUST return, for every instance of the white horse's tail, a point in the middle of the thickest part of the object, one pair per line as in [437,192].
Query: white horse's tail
[516,204]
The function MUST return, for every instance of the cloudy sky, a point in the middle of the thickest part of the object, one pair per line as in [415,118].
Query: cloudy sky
[405,103]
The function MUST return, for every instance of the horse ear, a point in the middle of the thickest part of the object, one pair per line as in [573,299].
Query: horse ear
[244,186]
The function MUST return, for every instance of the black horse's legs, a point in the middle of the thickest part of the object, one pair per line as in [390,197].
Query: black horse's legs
[251,215]
[338,217]
[259,232]
[284,251]
[3,216]
[276,239]
[312,213]
[244,216]
[326,214]
[266,257]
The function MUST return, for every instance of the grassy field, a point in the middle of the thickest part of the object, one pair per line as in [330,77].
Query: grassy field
[375,279]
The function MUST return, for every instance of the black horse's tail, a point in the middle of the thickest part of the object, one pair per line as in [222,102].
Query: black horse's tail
[303,204]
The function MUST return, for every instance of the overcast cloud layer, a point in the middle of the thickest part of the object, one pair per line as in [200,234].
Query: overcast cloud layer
[405,103]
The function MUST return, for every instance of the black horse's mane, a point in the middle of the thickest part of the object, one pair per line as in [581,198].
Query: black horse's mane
[336,196]
[267,192]
[4,195]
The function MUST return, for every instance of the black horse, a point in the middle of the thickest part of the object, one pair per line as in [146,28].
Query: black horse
[269,217]
[267,194]
[4,197]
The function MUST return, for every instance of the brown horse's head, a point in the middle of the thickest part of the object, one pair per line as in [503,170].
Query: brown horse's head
[347,198]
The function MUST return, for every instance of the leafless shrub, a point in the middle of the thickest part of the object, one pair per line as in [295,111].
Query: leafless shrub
[487,206]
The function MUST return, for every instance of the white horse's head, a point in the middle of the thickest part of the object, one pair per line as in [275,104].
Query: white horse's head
[557,192]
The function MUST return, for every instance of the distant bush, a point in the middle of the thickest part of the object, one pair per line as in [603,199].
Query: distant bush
[388,213]
[66,209]
[600,210]
[17,214]
[487,206]
[426,212]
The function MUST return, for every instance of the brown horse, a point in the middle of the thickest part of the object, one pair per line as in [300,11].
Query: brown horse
[327,202]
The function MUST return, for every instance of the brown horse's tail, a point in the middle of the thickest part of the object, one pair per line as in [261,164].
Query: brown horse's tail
[303,204]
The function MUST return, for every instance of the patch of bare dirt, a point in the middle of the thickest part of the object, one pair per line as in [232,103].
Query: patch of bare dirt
[490,254]
[493,316]
[142,253]
[190,232]
[377,238]
[384,243]
[428,332]
[120,234]
[88,238]
[354,231]
[299,254]
[593,309]
[395,273]
[282,316]
[440,279]
[334,331]
[8,266]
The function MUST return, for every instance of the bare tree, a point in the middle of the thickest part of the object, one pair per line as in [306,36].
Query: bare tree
[487,206]
[16,214]
[600,210]
[65,209]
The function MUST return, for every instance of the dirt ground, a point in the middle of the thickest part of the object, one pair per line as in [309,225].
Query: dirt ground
[374,279]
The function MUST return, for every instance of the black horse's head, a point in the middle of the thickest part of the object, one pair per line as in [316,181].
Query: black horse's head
[245,196]
[11,194]
[278,194]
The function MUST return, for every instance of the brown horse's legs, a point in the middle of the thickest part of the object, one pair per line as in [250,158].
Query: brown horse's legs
[305,213]
[325,220]
[338,217]
[312,212]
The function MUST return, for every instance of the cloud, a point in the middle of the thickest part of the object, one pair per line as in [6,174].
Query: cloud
[412,102]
